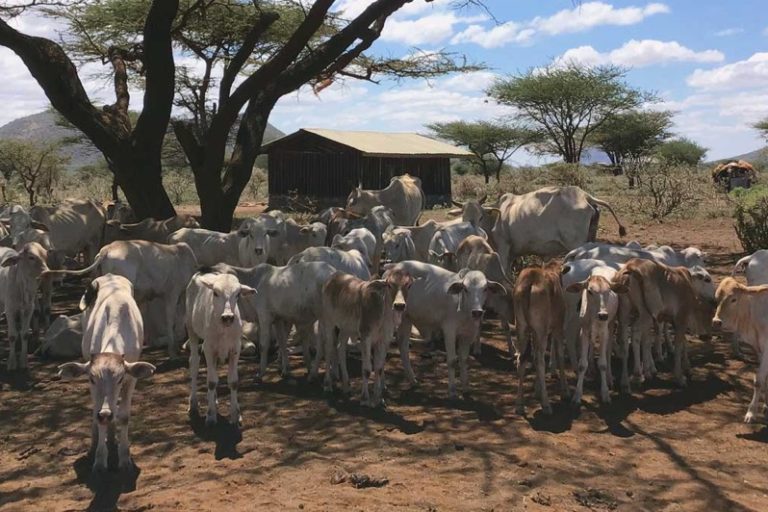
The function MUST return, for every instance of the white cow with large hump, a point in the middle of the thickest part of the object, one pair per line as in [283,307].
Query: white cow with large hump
[616,254]
[404,196]
[76,226]
[754,267]
[446,240]
[156,271]
[246,247]
[443,301]
[547,222]
[112,336]
[351,262]
[213,316]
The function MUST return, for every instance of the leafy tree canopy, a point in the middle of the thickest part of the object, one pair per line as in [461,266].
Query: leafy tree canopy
[681,151]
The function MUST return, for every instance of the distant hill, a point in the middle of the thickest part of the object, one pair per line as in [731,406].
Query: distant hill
[758,158]
[43,127]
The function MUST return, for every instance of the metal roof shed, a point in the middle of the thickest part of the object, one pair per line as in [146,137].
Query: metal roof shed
[320,167]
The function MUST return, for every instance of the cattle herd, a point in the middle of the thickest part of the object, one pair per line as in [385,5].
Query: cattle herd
[358,278]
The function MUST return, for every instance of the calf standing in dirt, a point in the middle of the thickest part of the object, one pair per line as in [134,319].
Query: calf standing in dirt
[112,337]
[213,315]
[370,310]
[539,312]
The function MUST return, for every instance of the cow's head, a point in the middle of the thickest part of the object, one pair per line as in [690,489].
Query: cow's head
[396,284]
[31,260]
[226,290]
[472,289]
[106,373]
[398,245]
[599,297]
[255,239]
[729,296]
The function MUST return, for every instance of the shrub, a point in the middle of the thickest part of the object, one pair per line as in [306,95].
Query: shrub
[666,190]
[751,216]
[563,174]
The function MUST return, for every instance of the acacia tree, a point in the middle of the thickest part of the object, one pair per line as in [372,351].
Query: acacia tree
[261,51]
[568,103]
[491,143]
[36,167]
[681,151]
[762,127]
[630,138]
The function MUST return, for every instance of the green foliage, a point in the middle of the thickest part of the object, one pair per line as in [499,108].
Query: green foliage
[568,103]
[666,190]
[633,135]
[491,143]
[762,127]
[565,174]
[681,151]
[751,216]
[33,166]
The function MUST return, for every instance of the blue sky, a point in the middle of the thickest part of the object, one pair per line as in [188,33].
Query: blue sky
[707,60]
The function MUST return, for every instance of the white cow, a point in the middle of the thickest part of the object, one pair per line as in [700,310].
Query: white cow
[112,336]
[64,338]
[213,316]
[447,302]
[246,247]
[398,245]
[352,262]
[446,240]
[149,229]
[597,315]
[754,267]
[547,222]
[19,279]
[76,226]
[363,241]
[404,196]
[289,295]
[297,238]
[615,254]
[156,271]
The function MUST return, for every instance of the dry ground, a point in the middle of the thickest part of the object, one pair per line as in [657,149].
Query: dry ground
[661,449]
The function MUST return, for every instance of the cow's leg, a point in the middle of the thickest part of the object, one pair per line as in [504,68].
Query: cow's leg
[46,293]
[365,354]
[13,337]
[233,382]
[307,334]
[404,344]
[604,362]
[170,332]
[282,328]
[477,345]
[101,452]
[624,340]
[679,349]
[265,329]
[565,391]
[649,365]
[736,345]
[463,347]
[380,359]
[760,383]
[123,419]
[449,335]
[584,341]
[319,340]
[571,330]
[194,368]
[329,340]
[341,351]
[26,318]
[540,348]
[213,381]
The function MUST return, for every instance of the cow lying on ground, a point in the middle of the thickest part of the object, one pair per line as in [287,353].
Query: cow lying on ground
[369,310]
[615,254]
[149,230]
[19,280]
[246,247]
[64,338]
[213,316]
[539,307]
[742,310]
[447,302]
[111,346]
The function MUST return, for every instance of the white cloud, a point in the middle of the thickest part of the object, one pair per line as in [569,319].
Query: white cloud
[430,29]
[731,31]
[749,73]
[636,53]
[579,19]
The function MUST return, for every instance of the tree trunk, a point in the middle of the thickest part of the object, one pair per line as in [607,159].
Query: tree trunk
[140,178]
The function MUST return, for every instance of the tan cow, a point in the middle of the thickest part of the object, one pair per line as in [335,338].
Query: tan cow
[539,310]
[659,293]
[742,310]
[404,196]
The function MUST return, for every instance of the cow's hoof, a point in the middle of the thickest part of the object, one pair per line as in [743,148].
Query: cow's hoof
[546,409]
[576,400]
[236,419]
[258,380]
[682,382]
[749,417]
[99,467]
[606,398]
[210,421]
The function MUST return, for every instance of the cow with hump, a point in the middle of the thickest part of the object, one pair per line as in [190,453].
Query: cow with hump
[742,310]
[443,301]
[112,337]
[213,316]
[404,196]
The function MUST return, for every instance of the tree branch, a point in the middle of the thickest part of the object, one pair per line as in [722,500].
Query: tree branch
[160,85]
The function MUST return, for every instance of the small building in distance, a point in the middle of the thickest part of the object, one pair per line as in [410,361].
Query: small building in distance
[315,168]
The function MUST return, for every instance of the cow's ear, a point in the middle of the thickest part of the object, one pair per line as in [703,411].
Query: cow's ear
[206,281]
[242,231]
[619,288]
[456,288]
[305,229]
[336,239]
[11,260]
[140,369]
[73,370]
[378,284]
[246,290]
[273,232]
[39,225]
[497,288]
[576,287]
[89,297]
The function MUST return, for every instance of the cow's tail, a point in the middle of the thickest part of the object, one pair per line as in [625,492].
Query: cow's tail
[81,272]
[741,265]
[599,202]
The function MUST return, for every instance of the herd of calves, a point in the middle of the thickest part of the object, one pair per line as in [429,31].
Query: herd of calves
[349,280]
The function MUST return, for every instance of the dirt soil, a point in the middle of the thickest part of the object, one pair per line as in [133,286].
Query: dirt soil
[660,449]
